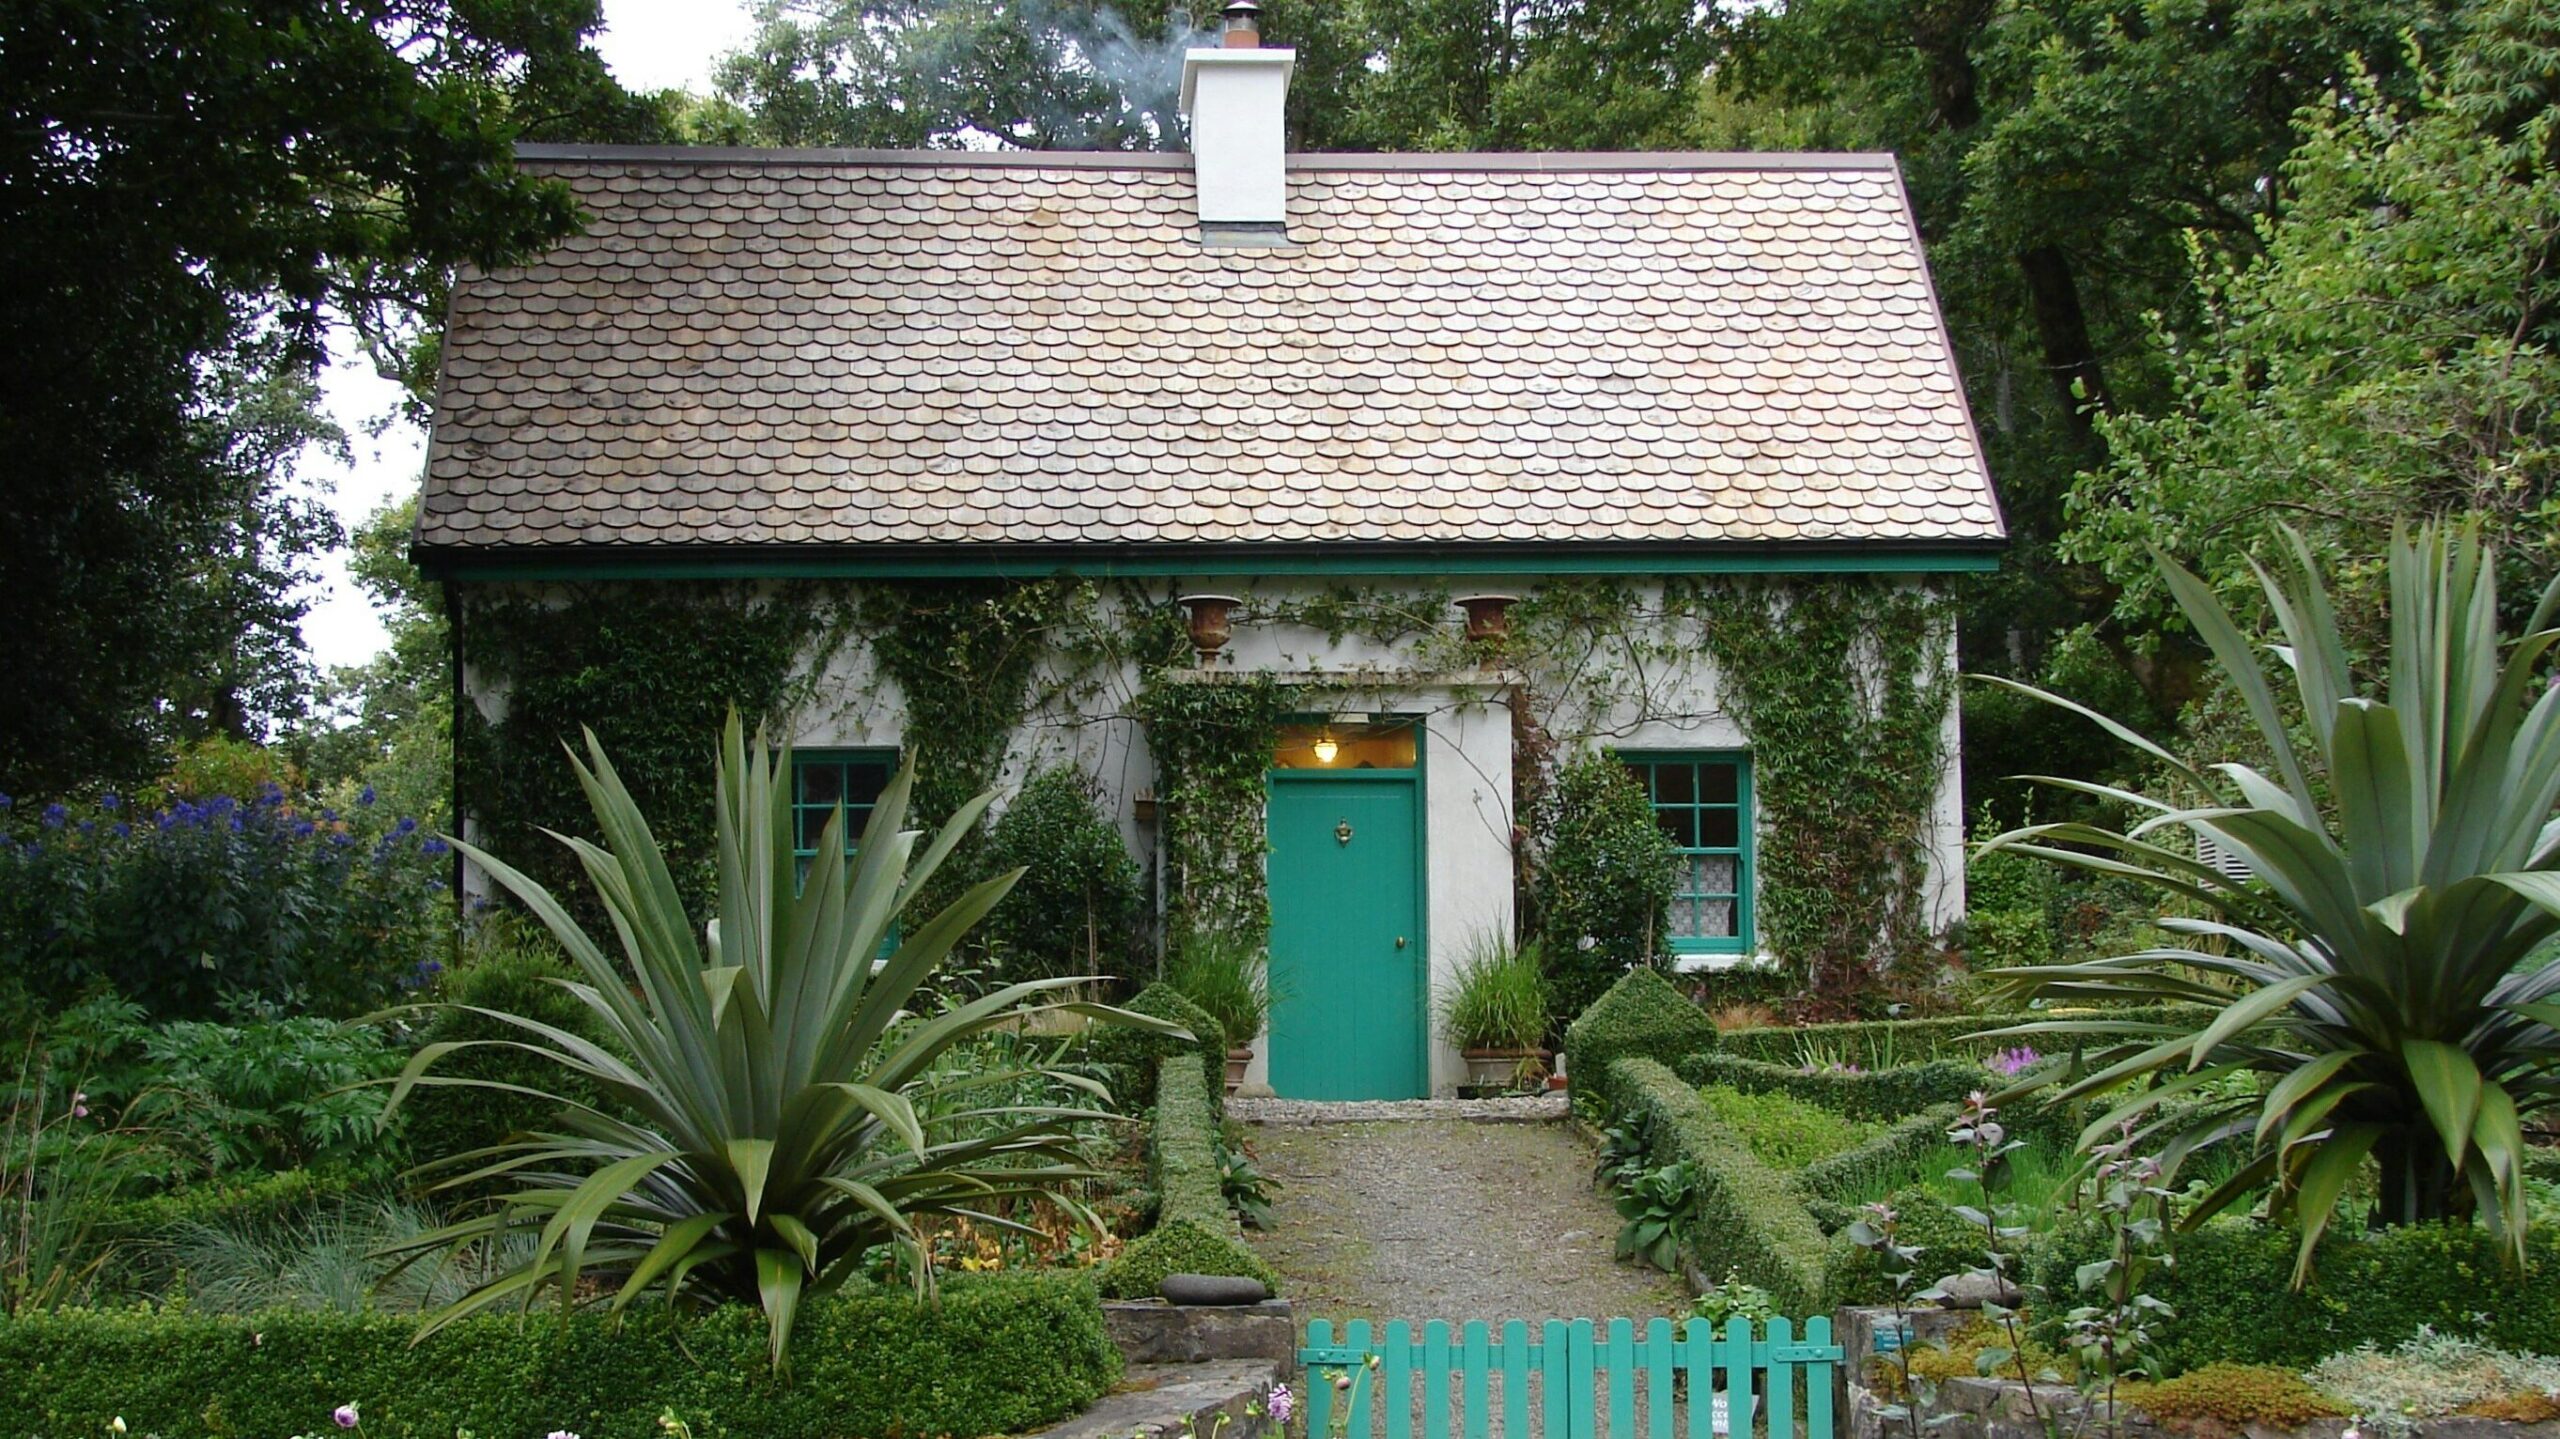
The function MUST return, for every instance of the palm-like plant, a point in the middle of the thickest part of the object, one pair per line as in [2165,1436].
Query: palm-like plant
[783,1113]
[2374,977]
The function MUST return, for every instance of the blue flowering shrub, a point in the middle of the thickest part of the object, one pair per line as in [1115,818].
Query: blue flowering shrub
[205,904]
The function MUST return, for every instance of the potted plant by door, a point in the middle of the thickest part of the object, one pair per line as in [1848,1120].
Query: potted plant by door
[1495,1011]
[1227,976]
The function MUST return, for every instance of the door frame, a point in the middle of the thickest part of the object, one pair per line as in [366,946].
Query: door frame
[1418,778]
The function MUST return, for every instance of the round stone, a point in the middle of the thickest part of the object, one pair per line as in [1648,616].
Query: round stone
[1216,1289]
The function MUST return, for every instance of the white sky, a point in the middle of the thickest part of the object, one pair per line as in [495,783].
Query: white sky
[649,45]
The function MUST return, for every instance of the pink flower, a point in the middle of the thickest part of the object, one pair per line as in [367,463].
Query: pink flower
[1282,1405]
[346,1416]
[561,1434]
[79,1104]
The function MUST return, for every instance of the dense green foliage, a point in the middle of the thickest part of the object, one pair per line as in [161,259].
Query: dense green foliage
[996,1354]
[1846,757]
[1228,978]
[1130,1054]
[1784,1132]
[200,903]
[1604,893]
[1212,739]
[387,724]
[789,1114]
[2382,970]
[2233,1292]
[651,669]
[1195,1231]
[512,971]
[1949,1243]
[1078,908]
[1744,1221]
[1640,1015]
[189,191]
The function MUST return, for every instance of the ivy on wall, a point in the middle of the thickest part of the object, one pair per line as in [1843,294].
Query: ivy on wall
[1842,688]
[653,670]
[1213,737]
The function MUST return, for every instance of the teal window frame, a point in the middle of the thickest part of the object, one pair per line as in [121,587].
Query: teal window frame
[809,818]
[1648,767]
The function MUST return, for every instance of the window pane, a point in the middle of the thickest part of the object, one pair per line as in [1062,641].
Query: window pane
[1712,874]
[1720,783]
[813,825]
[864,779]
[1723,829]
[821,783]
[1680,824]
[1678,784]
[1715,919]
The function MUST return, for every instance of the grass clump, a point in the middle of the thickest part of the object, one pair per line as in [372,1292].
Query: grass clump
[2235,1394]
[1784,1131]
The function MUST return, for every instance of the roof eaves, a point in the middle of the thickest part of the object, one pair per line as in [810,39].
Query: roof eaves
[1532,162]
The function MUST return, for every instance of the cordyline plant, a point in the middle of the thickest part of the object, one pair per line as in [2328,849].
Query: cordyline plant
[787,1115]
[2372,975]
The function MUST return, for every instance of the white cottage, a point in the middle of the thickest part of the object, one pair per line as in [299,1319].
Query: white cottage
[1345,391]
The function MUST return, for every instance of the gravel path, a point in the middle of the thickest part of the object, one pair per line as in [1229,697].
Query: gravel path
[1445,1219]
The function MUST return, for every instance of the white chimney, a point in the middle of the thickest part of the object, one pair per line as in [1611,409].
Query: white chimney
[1234,96]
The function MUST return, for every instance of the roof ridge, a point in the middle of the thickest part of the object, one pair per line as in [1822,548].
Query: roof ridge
[1492,162]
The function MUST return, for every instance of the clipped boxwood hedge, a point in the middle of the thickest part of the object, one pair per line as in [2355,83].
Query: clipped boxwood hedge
[1195,1232]
[1887,1094]
[1888,1154]
[1132,1054]
[1746,1221]
[2232,1287]
[1890,1043]
[996,1354]
[1949,1244]
[1642,1015]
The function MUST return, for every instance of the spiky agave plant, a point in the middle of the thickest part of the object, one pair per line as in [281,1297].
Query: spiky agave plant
[781,1109]
[2373,978]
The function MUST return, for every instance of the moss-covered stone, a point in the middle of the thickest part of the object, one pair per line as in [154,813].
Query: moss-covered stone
[1643,1016]
[2239,1395]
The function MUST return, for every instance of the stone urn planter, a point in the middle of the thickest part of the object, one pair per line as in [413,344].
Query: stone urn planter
[1239,1060]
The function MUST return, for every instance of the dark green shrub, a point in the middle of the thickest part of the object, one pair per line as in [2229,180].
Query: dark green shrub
[1884,1094]
[997,1354]
[512,970]
[2009,902]
[1180,1247]
[1642,1014]
[1604,894]
[1747,1222]
[1949,1244]
[2232,1288]
[1077,909]
[1131,1056]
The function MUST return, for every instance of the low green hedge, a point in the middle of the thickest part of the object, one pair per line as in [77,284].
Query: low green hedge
[1881,1158]
[1887,1094]
[1949,1244]
[996,1354]
[2232,1287]
[1195,1232]
[1642,1015]
[1747,1221]
[1890,1043]
[1132,1054]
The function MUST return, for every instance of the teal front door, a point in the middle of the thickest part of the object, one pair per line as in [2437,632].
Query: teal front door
[1347,1012]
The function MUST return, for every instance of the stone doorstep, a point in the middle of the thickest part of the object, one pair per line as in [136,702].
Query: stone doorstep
[1150,1331]
[1222,1399]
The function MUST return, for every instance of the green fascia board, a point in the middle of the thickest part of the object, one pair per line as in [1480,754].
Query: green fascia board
[1035,564]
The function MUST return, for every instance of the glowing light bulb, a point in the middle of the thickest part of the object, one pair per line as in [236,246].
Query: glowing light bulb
[1324,747]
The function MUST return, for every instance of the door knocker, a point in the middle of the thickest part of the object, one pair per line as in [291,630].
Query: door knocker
[1342,832]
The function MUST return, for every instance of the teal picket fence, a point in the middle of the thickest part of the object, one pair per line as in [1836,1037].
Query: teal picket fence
[1570,1379]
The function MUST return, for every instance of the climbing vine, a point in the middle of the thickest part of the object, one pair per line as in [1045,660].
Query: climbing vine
[1842,688]
[1212,737]
[652,670]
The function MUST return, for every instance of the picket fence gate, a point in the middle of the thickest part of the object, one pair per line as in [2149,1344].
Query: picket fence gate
[1775,1373]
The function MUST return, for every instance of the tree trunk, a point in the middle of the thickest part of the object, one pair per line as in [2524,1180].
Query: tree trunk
[2062,327]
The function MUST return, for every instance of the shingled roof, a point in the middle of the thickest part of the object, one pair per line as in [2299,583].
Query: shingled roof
[788,351]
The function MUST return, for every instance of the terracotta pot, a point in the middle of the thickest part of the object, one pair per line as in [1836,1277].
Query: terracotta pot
[1503,1068]
[1238,1060]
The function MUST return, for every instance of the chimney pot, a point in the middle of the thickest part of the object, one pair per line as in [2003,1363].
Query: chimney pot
[1244,26]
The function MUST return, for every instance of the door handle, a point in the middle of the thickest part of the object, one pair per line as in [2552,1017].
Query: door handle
[1399,941]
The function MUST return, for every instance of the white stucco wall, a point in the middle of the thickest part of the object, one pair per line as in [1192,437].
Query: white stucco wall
[1465,715]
